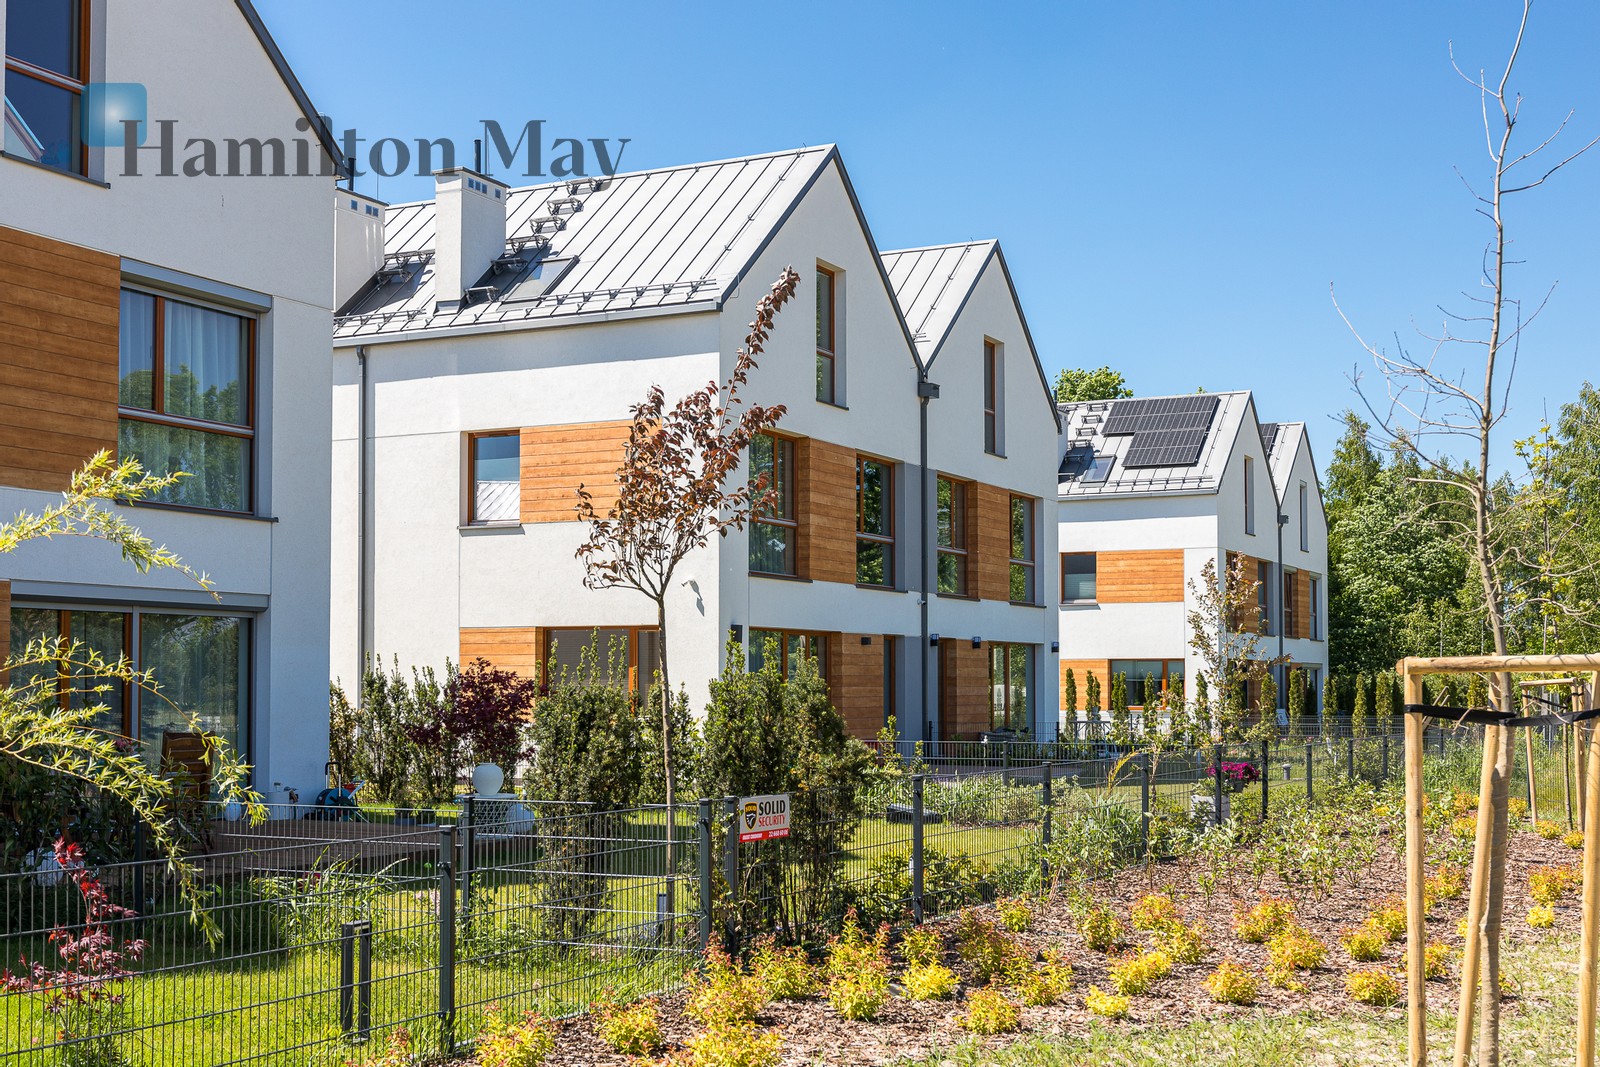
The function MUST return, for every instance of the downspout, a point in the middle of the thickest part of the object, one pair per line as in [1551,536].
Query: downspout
[1283,690]
[926,391]
[361,519]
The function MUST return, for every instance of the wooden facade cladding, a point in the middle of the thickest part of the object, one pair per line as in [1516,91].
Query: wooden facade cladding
[1080,669]
[1154,576]
[512,648]
[989,542]
[1299,587]
[963,690]
[825,504]
[555,460]
[59,305]
[5,627]
[856,681]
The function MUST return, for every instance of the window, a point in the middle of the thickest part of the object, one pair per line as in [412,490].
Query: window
[1078,576]
[1249,495]
[1263,597]
[1022,584]
[774,531]
[186,396]
[1099,468]
[620,656]
[790,647]
[1010,669]
[952,536]
[991,398]
[827,336]
[1289,579]
[496,478]
[1314,608]
[106,633]
[46,70]
[874,522]
[1305,512]
[1148,676]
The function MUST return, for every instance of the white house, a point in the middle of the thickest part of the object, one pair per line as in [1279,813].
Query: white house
[1151,490]
[182,318]
[489,347]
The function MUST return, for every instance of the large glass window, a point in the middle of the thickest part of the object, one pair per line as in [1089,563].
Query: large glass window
[874,522]
[1010,669]
[45,74]
[827,336]
[201,668]
[774,531]
[187,404]
[1148,676]
[790,647]
[95,633]
[1022,583]
[496,478]
[1078,573]
[952,536]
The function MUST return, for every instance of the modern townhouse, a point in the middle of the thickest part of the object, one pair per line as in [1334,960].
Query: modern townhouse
[492,340]
[182,319]
[1151,490]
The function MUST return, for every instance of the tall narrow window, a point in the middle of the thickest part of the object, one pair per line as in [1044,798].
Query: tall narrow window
[1314,608]
[1305,514]
[952,530]
[46,71]
[874,522]
[1078,574]
[991,398]
[827,336]
[1289,580]
[774,530]
[1249,495]
[1010,667]
[1263,597]
[187,398]
[1022,583]
[496,478]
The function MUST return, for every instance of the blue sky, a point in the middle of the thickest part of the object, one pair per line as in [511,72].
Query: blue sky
[1176,185]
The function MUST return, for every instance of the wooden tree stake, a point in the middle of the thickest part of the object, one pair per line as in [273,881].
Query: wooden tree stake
[1416,939]
[1482,857]
[1588,961]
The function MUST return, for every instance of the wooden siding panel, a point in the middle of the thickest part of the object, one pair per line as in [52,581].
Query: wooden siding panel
[825,501]
[5,628]
[59,305]
[964,690]
[856,682]
[1302,604]
[1080,669]
[989,541]
[1154,576]
[512,648]
[555,460]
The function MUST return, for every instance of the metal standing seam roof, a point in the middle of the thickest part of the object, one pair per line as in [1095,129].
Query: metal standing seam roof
[1281,448]
[653,239]
[1083,435]
[930,285]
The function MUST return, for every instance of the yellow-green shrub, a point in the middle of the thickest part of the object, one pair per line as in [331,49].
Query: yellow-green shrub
[1263,920]
[1448,882]
[1045,982]
[1549,884]
[1376,987]
[1516,809]
[859,969]
[1389,919]
[784,972]
[1284,978]
[1016,914]
[1461,802]
[1101,930]
[929,981]
[989,949]
[1185,944]
[631,1029]
[1547,829]
[1464,827]
[1296,948]
[1436,959]
[738,1044]
[990,1011]
[1155,911]
[1541,916]
[1231,984]
[1364,943]
[524,1042]
[922,947]
[1108,1005]
[723,994]
[1573,839]
[1136,974]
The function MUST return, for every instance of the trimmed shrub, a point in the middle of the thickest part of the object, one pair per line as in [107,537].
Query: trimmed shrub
[1231,984]
[1375,987]
[990,1011]
[1107,1005]
[929,981]
[1264,920]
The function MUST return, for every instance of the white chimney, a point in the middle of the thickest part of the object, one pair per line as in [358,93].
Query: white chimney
[469,223]
[357,243]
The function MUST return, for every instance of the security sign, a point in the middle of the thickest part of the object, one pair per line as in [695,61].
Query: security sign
[764,818]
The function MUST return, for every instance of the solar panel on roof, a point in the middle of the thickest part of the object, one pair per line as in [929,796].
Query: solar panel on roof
[1167,431]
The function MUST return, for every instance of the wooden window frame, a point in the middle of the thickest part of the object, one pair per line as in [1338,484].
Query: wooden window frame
[1006,648]
[158,386]
[783,647]
[1029,562]
[957,549]
[1077,600]
[1166,675]
[76,86]
[789,520]
[472,477]
[830,350]
[887,540]
[635,668]
[991,397]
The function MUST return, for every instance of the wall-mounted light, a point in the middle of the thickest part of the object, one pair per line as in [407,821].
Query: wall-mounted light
[1055,646]
[866,639]
[977,642]
[933,639]
[737,630]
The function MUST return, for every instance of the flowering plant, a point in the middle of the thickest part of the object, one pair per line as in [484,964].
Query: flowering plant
[1236,774]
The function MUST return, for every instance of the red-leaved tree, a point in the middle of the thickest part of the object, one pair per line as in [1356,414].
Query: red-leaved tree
[484,720]
[673,492]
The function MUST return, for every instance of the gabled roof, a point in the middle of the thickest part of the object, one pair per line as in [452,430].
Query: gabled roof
[1097,464]
[1282,445]
[932,284]
[672,238]
[302,99]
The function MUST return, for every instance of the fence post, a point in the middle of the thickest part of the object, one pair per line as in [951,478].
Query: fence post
[469,840]
[1048,802]
[1144,804]
[355,979]
[1311,793]
[1266,775]
[1350,757]
[730,871]
[917,912]
[1216,765]
[705,875]
[447,938]
[1385,751]
[347,977]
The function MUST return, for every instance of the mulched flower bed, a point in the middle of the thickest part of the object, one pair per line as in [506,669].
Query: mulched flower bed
[910,1030]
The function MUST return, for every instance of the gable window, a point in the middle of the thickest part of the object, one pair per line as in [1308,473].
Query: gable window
[1314,608]
[1249,495]
[789,648]
[1305,514]
[186,395]
[46,71]
[496,478]
[1022,584]
[1078,573]
[773,531]
[992,436]
[952,531]
[827,336]
[874,522]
